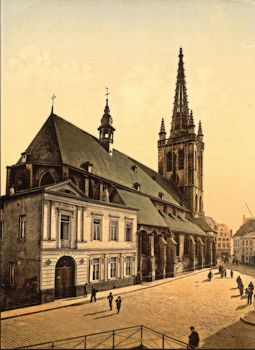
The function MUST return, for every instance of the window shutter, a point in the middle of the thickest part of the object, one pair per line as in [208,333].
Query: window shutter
[109,268]
[90,270]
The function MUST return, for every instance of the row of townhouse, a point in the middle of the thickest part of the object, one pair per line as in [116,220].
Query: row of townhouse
[244,243]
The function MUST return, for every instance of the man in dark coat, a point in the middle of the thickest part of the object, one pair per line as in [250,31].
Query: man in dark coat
[193,339]
[93,294]
[249,295]
[110,298]
[85,290]
[118,304]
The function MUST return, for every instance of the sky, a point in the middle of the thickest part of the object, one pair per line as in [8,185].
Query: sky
[75,48]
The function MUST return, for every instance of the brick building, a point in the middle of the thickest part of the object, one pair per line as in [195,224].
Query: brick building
[77,211]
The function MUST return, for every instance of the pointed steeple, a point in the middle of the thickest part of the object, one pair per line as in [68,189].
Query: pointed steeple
[162,132]
[181,110]
[106,129]
[200,132]
[191,123]
[162,127]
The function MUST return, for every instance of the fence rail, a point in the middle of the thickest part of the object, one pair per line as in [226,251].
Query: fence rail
[136,337]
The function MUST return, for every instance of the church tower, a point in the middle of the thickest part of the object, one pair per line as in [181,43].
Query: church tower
[106,130]
[180,157]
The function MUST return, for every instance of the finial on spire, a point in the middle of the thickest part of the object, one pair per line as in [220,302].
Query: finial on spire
[180,52]
[200,132]
[107,94]
[52,106]
[191,119]
[162,127]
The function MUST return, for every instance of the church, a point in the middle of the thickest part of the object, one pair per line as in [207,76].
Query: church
[78,211]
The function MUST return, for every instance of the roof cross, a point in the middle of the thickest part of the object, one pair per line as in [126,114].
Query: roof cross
[52,99]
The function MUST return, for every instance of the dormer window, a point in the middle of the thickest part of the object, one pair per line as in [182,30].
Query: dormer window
[87,166]
[134,168]
[137,186]
[23,157]
[161,195]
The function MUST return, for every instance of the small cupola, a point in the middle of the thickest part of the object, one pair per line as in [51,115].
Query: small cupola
[106,130]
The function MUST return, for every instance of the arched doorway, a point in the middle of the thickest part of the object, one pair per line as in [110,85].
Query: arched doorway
[64,278]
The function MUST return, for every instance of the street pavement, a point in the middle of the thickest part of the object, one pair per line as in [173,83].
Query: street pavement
[213,308]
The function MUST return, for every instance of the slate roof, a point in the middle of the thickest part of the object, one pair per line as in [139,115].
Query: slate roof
[148,213]
[202,223]
[248,227]
[72,146]
[183,225]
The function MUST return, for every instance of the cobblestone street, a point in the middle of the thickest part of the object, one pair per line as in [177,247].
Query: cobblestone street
[214,308]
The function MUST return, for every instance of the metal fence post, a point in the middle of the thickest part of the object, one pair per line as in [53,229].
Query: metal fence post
[163,341]
[141,335]
[113,345]
[85,342]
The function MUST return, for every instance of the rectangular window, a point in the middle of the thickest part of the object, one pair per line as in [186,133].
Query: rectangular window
[219,245]
[22,227]
[129,231]
[128,266]
[114,226]
[95,269]
[12,274]
[96,229]
[1,229]
[65,231]
[113,267]
[219,239]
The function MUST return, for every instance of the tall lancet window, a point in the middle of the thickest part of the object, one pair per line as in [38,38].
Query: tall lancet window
[181,159]
[169,162]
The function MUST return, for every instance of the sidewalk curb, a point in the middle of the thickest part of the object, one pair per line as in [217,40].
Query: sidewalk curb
[169,280]
[246,317]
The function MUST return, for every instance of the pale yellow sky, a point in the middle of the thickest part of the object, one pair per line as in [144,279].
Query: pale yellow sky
[75,49]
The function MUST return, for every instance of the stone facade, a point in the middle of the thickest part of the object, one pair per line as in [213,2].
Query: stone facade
[29,264]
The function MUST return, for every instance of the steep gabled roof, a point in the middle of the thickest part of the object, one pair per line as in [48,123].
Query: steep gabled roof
[248,227]
[60,142]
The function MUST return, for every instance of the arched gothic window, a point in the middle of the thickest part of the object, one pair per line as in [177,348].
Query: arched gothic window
[196,203]
[47,179]
[181,158]
[200,204]
[169,165]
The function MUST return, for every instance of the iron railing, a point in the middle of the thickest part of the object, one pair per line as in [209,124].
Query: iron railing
[136,337]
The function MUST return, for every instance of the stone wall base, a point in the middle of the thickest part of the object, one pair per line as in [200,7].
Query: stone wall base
[112,284]
[47,295]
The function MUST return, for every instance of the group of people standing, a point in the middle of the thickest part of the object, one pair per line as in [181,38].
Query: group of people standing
[248,291]
[110,297]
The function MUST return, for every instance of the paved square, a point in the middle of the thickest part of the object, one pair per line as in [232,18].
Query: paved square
[214,308]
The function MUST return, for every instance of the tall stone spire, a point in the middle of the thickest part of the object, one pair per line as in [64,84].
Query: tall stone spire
[181,110]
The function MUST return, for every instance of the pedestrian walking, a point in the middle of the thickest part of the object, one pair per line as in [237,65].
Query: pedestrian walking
[220,268]
[118,304]
[225,273]
[249,294]
[251,286]
[210,275]
[85,290]
[110,298]
[193,339]
[93,294]
[238,280]
[231,274]
[241,288]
